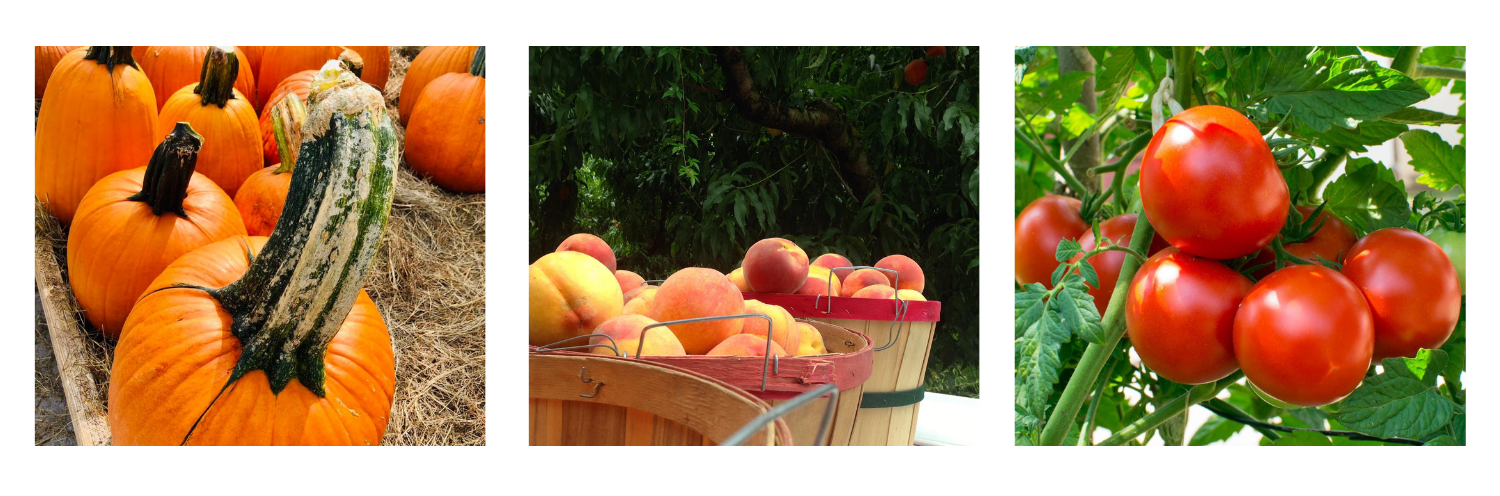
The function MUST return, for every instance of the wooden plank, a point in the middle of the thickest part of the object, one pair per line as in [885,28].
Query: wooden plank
[640,427]
[913,371]
[85,404]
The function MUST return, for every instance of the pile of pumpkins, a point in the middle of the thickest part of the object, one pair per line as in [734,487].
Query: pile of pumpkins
[578,290]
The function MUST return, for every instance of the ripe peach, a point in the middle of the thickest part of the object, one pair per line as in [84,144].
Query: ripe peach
[861,278]
[775,265]
[592,246]
[637,291]
[640,304]
[626,331]
[910,274]
[571,294]
[916,72]
[831,260]
[783,330]
[879,291]
[909,295]
[628,281]
[737,276]
[698,292]
[812,341]
[746,345]
[818,279]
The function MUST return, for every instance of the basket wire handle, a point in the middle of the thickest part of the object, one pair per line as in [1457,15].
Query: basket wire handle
[760,421]
[583,375]
[652,281]
[900,304]
[764,368]
[612,346]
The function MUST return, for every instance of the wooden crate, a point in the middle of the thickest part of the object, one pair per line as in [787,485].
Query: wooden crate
[84,396]
[595,400]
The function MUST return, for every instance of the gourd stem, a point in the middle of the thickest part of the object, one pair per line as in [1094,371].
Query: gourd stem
[477,66]
[295,295]
[287,118]
[352,61]
[110,56]
[170,171]
[216,82]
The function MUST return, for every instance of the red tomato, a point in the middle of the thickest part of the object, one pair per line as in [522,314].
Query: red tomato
[1304,335]
[1210,185]
[1412,289]
[1331,242]
[1042,224]
[1107,264]
[1179,315]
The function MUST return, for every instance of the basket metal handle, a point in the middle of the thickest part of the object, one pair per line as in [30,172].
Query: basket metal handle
[770,332]
[612,346]
[764,419]
[901,305]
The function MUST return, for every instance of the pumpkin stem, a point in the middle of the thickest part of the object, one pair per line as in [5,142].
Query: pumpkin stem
[110,56]
[216,81]
[476,67]
[294,297]
[352,62]
[287,118]
[170,171]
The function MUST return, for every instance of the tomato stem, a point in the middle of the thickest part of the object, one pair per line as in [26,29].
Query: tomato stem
[1056,165]
[1235,415]
[1171,409]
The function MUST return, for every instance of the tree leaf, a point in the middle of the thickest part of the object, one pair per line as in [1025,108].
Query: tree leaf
[1442,165]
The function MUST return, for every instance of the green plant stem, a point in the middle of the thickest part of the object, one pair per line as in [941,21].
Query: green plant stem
[1284,256]
[1322,170]
[1170,409]
[1218,404]
[1053,162]
[1406,59]
[1258,425]
[1097,354]
[1434,71]
[1183,59]
[1085,437]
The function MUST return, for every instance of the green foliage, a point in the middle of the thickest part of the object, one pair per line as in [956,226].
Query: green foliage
[641,146]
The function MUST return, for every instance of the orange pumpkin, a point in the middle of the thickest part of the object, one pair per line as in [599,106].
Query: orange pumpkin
[445,141]
[133,223]
[252,56]
[265,341]
[170,68]
[231,149]
[297,84]
[47,58]
[263,194]
[432,62]
[377,61]
[98,117]
[279,62]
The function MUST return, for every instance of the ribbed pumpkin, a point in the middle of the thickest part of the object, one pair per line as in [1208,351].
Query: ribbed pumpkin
[98,117]
[231,148]
[47,58]
[263,194]
[377,61]
[279,62]
[271,341]
[252,56]
[432,62]
[170,68]
[445,141]
[135,222]
[297,84]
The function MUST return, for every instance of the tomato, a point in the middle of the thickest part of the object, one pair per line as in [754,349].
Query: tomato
[1332,242]
[1304,335]
[1179,315]
[1452,243]
[1040,227]
[1412,288]
[1210,185]
[1107,264]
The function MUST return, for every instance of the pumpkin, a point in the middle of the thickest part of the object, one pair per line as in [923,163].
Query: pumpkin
[271,341]
[133,223]
[445,141]
[231,148]
[252,56]
[170,68]
[278,62]
[98,117]
[430,63]
[298,85]
[47,58]
[263,194]
[377,61]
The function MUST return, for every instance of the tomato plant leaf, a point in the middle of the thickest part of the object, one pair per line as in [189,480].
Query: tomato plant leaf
[1368,196]
[1215,429]
[1114,78]
[1442,165]
[1067,249]
[1064,91]
[1313,418]
[1076,310]
[1365,134]
[1077,120]
[1396,403]
[1030,304]
[1298,438]
[1037,364]
[1089,275]
[1342,92]
[1423,117]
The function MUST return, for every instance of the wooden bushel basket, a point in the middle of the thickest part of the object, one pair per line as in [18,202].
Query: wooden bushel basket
[902,334]
[595,400]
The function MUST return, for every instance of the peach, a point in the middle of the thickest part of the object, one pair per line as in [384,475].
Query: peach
[637,291]
[880,291]
[818,280]
[571,294]
[860,279]
[909,295]
[746,345]
[590,245]
[626,331]
[831,260]
[775,265]
[697,292]
[641,303]
[783,330]
[737,276]
[812,341]
[908,272]
[628,281]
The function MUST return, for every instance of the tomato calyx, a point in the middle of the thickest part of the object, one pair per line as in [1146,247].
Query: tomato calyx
[1298,228]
